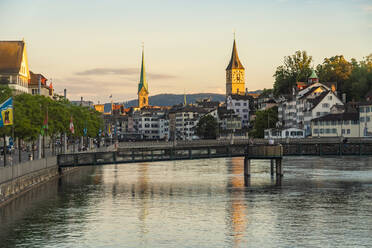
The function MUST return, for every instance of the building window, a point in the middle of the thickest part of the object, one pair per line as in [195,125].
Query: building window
[361,119]
[316,130]
[245,104]
[346,122]
[237,104]
[348,131]
[325,105]
[343,131]
[367,109]
[334,130]
[329,97]
[361,109]
[328,130]
[315,123]
[317,113]
[321,130]
[368,119]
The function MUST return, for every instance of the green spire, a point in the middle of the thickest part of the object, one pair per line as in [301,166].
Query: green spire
[143,81]
[313,74]
[184,99]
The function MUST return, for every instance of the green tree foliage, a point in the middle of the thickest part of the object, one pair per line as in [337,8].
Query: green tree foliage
[264,119]
[30,112]
[336,69]
[266,92]
[296,68]
[352,77]
[207,127]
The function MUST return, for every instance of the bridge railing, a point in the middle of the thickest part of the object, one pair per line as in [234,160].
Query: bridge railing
[269,151]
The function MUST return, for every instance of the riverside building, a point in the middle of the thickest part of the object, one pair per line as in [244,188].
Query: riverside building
[309,101]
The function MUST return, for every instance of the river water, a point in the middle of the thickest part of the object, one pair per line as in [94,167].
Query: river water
[320,202]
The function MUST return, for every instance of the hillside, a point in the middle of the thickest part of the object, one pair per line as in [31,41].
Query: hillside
[173,99]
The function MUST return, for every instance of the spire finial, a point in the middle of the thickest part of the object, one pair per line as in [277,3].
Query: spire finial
[234,33]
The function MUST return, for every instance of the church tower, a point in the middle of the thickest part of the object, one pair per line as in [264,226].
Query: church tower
[235,75]
[143,89]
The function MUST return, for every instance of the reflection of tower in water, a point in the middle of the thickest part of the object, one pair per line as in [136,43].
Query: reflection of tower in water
[142,193]
[237,208]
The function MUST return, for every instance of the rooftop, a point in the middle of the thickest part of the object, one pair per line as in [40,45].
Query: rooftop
[11,53]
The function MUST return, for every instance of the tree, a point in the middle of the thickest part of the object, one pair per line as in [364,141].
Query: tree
[264,119]
[336,69]
[296,68]
[207,127]
[360,80]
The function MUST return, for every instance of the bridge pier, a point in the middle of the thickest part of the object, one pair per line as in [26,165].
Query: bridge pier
[247,167]
[279,167]
[272,167]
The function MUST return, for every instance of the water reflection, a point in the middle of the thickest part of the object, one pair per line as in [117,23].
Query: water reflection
[236,209]
[200,203]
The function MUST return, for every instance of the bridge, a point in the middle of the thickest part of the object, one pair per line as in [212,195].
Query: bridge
[137,152]
[180,152]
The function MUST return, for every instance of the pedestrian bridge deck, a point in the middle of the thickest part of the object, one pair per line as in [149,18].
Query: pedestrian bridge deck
[152,154]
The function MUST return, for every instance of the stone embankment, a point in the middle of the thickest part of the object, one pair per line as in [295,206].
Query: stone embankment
[19,178]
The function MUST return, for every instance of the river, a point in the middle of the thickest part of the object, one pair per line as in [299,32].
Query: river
[320,202]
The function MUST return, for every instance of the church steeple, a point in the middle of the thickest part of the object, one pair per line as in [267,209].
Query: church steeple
[235,74]
[234,61]
[143,81]
[143,89]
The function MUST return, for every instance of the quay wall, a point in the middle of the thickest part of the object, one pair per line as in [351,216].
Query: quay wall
[19,178]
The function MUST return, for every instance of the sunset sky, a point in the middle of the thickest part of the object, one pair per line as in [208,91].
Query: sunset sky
[93,47]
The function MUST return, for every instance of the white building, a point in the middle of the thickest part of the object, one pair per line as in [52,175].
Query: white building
[336,125]
[305,105]
[277,133]
[151,124]
[240,105]
[365,117]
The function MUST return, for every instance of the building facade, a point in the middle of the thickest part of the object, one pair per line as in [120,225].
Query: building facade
[313,101]
[240,105]
[14,70]
[336,125]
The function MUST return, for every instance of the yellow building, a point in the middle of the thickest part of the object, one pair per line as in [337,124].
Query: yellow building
[143,89]
[14,70]
[100,108]
[235,75]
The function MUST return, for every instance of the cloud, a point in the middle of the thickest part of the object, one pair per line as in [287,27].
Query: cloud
[367,8]
[108,71]
[122,71]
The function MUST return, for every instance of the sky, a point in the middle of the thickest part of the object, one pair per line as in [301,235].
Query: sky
[93,47]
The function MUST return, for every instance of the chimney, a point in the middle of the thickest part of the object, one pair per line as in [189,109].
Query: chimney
[344,98]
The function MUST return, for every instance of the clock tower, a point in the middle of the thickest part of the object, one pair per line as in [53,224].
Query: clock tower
[143,88]
[235,75]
